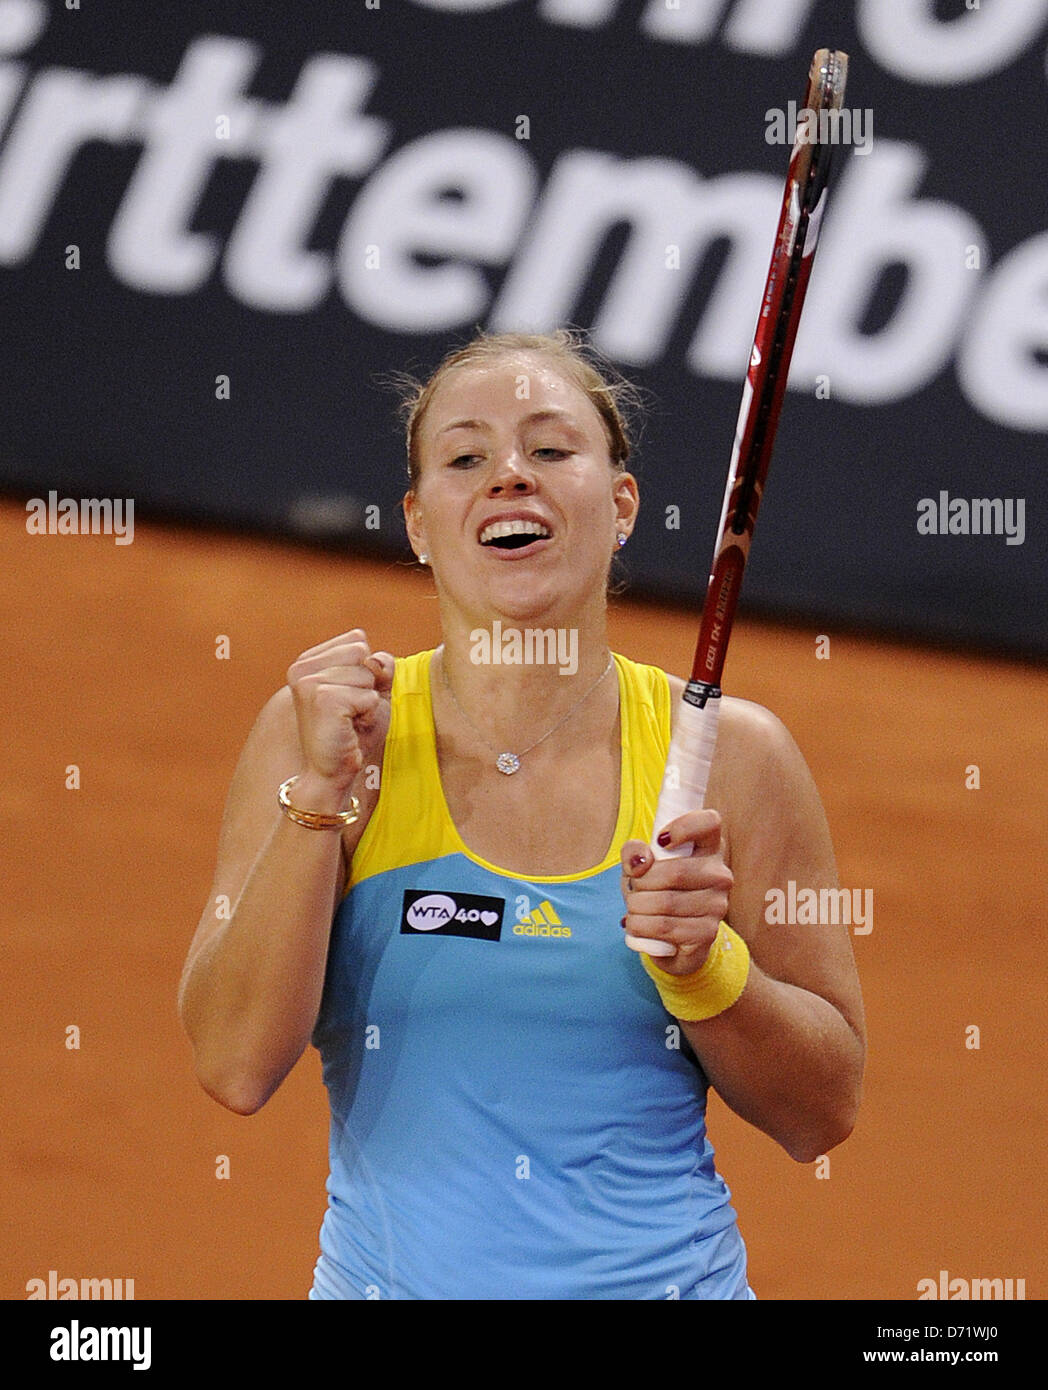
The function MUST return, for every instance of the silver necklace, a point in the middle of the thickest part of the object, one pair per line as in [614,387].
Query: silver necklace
[510,762]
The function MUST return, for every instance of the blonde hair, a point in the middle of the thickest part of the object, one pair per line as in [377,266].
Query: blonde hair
[611,394]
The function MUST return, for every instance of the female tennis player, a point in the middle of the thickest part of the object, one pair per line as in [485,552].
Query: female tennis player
[431,860]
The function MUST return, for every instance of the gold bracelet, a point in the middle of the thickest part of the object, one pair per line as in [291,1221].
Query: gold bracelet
[316,820]
[711,989]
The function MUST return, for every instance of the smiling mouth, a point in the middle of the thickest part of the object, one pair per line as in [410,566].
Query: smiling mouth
[513,535]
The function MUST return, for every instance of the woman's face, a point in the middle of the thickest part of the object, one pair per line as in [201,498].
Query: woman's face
[516,442]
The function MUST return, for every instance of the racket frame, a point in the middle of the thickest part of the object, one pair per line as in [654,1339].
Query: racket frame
[800,219]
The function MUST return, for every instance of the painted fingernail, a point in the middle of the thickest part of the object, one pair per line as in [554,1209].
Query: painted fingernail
[636,861]
[622,924]
[664,839]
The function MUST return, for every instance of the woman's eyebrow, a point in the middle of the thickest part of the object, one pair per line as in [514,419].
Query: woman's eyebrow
[556,416]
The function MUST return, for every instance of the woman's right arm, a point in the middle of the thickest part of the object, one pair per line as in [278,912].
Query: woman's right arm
[252,982]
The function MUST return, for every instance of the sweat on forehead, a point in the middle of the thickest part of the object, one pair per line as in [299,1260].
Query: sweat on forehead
[506,382]
[474,395]
[560,368]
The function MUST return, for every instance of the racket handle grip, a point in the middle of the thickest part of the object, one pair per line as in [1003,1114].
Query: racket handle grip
[684,783]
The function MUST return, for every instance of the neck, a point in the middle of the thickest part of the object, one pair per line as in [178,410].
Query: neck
[517,664]
[525,654]
[523,693]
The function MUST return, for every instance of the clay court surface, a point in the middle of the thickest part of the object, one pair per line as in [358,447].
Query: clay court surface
[110,1152]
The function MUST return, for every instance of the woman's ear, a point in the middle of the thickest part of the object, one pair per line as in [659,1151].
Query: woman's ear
[413,522]
[626,496]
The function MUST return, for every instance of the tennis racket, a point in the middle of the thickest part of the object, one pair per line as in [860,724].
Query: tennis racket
[804,202]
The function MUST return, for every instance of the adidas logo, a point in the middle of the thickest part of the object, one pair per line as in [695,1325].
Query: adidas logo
[542,922]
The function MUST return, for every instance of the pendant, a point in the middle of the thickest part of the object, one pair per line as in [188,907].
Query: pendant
[507,763]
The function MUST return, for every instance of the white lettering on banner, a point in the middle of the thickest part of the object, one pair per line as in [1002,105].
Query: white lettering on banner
[752,26]
[665,203]
[399,207]
[149,244]
[997,364]
[62,111]
[878,221]
[906,37]
[547,237]
[685,21]
[320,135]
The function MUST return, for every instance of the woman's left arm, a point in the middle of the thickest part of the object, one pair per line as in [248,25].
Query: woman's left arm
[788,1055]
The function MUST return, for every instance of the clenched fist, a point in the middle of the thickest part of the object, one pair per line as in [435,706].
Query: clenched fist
[341,692]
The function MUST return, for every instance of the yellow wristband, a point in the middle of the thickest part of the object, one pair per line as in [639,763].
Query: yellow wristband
[712,988]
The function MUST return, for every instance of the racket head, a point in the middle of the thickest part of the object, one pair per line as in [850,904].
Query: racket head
[778,319]
[827,80]
[827,84]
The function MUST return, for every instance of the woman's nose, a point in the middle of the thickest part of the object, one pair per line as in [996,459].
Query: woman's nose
[510,472]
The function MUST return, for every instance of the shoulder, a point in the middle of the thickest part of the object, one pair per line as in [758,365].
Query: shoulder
[752,733]
[759,780]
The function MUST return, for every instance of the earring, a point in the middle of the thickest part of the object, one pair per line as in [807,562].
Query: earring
[622,540]
[423,558]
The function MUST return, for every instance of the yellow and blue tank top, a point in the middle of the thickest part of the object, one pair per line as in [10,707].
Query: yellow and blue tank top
[514,1114]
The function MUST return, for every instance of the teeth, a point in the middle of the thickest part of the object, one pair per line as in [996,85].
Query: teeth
[498,529]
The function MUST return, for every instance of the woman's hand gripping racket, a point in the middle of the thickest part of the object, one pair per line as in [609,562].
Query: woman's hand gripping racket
[691,751]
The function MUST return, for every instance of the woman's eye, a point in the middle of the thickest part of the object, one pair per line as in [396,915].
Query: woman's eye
[465,460]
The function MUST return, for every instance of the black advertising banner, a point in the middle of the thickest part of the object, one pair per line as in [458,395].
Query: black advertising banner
[221,223]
